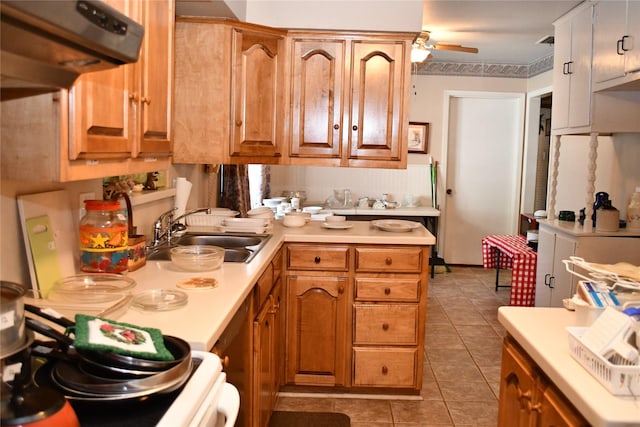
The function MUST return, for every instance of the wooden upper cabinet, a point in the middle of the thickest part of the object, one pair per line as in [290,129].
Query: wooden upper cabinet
[257,85]
[229,92]
[153,98]
[100,122]
[349,99]
[317,86]
[126,112]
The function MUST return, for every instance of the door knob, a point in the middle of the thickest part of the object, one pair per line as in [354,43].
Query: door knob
[449,191]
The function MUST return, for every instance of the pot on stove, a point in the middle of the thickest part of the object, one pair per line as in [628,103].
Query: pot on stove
[12,332]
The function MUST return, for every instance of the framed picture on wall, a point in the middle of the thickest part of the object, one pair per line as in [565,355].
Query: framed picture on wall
[418,137]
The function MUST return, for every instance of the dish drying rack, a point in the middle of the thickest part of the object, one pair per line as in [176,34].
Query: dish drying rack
[611,280]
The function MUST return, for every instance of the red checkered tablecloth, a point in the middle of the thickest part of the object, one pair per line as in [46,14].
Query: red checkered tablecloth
[520,258]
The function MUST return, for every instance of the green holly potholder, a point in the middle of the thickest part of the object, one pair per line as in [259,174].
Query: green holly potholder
[95,333]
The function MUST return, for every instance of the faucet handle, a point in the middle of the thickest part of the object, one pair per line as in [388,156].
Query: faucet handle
[166,214]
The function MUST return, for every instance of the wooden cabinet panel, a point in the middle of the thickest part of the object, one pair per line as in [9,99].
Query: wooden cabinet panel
[317,330]
[382,324]
[317,257]
[377,84]
[317,86]
[396,259]
[380,289]
[387,367]
[229,90]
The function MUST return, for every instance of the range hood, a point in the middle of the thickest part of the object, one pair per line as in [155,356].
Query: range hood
[47,44]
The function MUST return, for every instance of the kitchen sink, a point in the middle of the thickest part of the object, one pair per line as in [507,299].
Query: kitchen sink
[238,247]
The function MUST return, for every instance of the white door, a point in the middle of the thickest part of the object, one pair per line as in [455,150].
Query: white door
[483,167]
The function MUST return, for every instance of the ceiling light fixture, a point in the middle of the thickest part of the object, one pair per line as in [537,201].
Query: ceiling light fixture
[419,53]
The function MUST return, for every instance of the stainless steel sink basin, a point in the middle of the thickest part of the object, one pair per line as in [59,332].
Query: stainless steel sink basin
[238,248]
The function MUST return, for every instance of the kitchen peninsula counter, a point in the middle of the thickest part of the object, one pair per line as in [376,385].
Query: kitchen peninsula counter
[541,332]
[209,311]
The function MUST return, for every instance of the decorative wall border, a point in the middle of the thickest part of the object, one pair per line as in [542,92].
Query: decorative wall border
[474,69]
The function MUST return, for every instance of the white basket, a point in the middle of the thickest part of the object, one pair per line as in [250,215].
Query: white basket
[620,380]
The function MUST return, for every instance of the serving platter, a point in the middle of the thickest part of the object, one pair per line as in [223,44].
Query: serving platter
[395,225]
[342,225]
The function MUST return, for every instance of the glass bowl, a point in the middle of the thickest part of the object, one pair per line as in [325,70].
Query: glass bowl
[160,300]
[197,257]
[91,288]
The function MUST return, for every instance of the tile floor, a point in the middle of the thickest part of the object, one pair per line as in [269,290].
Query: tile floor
[462,361]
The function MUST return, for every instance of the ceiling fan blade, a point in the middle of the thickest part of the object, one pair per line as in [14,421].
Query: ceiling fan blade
[455,47]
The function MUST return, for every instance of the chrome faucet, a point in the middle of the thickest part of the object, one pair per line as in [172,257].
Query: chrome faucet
[166,224]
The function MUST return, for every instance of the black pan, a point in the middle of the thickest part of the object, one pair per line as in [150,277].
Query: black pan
[179,348]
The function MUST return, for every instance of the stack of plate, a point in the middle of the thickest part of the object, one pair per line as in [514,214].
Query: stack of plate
[246,225]
[395,225]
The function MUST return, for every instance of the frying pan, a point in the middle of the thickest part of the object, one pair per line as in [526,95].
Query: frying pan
[179,348]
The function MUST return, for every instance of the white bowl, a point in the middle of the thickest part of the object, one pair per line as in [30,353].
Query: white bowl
[305,215]
[274,202]
[261,212]
[293,220]
[197,257]
[312,209]
[335,218]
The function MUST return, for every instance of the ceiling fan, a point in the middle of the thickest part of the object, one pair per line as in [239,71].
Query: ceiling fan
[421,49]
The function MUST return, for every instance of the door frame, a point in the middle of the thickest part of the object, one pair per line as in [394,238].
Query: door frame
[448,96]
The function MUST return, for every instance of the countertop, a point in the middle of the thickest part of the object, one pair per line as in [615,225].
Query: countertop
[422,211]
[208,312]
[575,229]
[542,334]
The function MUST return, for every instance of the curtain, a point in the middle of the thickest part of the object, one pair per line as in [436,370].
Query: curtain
[235,189]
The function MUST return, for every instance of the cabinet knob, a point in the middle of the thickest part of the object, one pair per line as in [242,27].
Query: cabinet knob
[341,289]
[388,261]
[145,100]
[317,260]
[336,126]
[385,326]
[355,127]
[238,123]
[387,291]
[385,370]
[133,97]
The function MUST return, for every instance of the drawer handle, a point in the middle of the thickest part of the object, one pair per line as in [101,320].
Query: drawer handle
[388,261]
[385,370]
[385,326]
[387,291]
[317,260]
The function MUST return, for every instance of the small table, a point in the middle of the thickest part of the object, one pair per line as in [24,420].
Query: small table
[520,258]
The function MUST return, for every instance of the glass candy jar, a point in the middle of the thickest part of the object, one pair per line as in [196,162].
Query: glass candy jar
[103,238]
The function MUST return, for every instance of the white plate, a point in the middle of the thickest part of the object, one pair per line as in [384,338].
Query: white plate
[395,225]
[342,225]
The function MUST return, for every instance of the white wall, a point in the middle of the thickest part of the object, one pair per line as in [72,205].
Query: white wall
[375,15]
[617,171]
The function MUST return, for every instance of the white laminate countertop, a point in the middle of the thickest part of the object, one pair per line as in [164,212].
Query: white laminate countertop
[208,312]
[542,334]
[577,230]
[422,211]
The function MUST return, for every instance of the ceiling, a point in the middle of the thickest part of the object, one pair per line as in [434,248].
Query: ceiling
[505,32]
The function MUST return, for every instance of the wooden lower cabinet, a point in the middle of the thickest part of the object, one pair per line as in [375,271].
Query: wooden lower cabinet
[528,397]
[356,316]
[317,330]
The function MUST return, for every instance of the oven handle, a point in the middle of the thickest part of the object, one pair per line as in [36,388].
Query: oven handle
[229,404]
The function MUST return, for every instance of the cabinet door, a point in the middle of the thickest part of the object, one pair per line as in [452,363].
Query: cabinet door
[580,69]
[317,89]
[153,98]
[561,80]
[256,82]
[517,389]
[277,352]
[377,84]
[632,56]
[562,285]
[99,113]
[608,63]
[317,330]
[263,327]
[553,409]
[544,268]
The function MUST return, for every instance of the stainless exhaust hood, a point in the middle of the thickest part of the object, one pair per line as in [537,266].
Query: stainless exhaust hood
[47,44]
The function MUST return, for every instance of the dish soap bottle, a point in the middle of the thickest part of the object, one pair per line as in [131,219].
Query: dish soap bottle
[633,212]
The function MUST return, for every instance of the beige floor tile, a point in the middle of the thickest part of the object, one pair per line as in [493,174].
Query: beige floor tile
[455,390]
[305,404]
[428,412]
[364,410]
[473,413]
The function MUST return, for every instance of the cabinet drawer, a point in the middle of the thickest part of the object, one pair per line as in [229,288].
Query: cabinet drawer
[316,257]
[385,259]
[388,367]
[395,324]
[386,289]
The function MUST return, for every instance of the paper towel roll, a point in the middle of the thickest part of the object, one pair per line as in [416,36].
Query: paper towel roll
[183,189]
